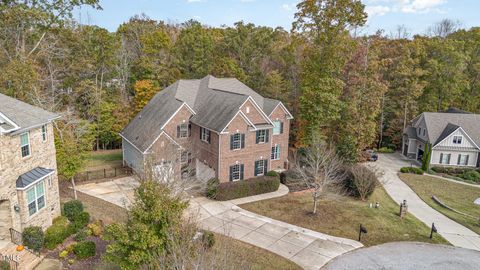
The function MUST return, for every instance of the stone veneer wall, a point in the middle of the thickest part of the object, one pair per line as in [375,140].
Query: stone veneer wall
[12,165]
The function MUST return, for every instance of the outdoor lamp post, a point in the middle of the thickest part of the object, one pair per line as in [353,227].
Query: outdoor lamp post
[362,230]
[434,230]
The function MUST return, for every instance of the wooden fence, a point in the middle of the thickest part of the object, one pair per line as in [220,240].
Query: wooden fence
[102,174]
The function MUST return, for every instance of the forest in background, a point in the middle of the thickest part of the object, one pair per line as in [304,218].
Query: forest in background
[357,91]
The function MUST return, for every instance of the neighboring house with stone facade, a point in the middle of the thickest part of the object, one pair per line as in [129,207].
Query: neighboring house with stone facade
[220,127]
[28,178]
[454,136]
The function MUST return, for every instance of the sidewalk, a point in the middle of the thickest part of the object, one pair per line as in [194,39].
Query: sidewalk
[453,232]
[307,248]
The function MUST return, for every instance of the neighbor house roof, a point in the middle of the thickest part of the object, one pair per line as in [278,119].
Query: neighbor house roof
[441,124]
[17,116]
[215,102]
[31,177]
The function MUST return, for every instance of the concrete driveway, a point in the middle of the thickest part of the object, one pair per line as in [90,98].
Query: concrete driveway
[307,248]
[455,233]
[407,256]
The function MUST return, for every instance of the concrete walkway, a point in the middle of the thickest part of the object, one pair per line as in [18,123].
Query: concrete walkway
[309,249]
[453,232]
[453,181]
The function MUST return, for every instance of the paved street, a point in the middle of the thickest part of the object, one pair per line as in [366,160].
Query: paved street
[407,256]
[307,248]
[455,233]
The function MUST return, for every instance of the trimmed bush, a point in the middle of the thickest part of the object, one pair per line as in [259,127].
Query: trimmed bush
[272,174]
[386,150]
[212,188]
[81,220]
[471,175]
[208,239]
[413,170]
[85,249]
[244,188]
[59,231]
[4,265]
[81,235]
[283,178]
[33,238]
[96,228]
[72,209]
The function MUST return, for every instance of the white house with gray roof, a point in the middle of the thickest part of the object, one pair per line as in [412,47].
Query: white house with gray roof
[454,136]
[222,127]
[28,169]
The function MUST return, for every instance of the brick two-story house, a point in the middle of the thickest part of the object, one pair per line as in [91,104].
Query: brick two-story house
[28,180]
[224,128]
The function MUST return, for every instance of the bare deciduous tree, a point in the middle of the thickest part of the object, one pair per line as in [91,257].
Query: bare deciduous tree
[320,168]
[365,179]
[444,28]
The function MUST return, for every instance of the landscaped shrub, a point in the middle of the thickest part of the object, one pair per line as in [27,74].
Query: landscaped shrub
[81,235]
[81,220]
[413,170]
[283,178]
[361,181]
[233,190]
[96,228]
[85,249]
[58,232]
[72,208]
[33,238]
[208,239]
[471,175]
[212,188]
[386,150]
[272,174]
[4,265]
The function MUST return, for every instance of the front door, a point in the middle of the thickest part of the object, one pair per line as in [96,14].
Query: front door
[5,220]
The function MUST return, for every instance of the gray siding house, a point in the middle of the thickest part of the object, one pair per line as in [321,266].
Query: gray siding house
[454,136]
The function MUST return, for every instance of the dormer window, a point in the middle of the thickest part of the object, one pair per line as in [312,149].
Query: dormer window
[182,130]
[424,132]
[457,139]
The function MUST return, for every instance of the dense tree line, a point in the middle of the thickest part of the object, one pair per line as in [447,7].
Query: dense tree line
[356,91]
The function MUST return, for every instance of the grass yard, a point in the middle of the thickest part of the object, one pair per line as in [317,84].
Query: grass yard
[104,159]
[245,256]
[341,216]
[459,197]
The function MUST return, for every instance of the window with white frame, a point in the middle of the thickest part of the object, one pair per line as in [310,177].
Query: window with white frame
[278,127]
[445,158]
[36,198]
[236,141]
[205,135]
[457,139]
[262,136]
[184,157]
[44,133]
[275,152]
[182,130]
[424,131]
[260,167]
[25,144]
[236,172]
[462,159]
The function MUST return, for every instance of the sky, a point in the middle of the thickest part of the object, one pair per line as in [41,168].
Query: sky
[415,15]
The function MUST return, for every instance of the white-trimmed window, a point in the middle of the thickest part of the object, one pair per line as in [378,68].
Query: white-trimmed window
[424,131]
[236,172]
[260,167]
[44,133]
[275,152]
[445,158]
[237,141]
[36,198]
[457,139]
[462,160]
[182,130]
[184,157]
[25,144]
[262,136]
[278,127]
[205,135]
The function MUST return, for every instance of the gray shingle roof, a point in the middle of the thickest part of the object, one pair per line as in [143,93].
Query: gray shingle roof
[214,100]
[438,124]
[22,114]
[32,176]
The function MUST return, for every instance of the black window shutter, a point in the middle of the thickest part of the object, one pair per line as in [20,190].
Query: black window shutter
[257,139]
[281,127]
[178,131]
[441,158]
[265,166]
[209,135]
[231,173]
[267,134]
[449,155]
[458,161]
[189,129]
[241,171]
[466,162]
[243,141]
[231,142]
[201,132]
[255,168]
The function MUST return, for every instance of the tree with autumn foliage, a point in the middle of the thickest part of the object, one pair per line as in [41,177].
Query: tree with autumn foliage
[144,92]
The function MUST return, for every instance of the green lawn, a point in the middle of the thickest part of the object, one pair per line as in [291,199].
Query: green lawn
[341,216]
[105,159]
[457,196]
